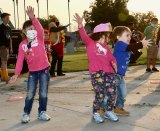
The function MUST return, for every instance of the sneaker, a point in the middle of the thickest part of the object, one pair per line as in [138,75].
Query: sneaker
[25,118]
[43,116]
[155,70]
[97,118]
[111,116]
[148,70]
[121,111]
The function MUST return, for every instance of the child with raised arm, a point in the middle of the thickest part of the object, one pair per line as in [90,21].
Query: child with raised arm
[32,49]
[122,53]
[102,68]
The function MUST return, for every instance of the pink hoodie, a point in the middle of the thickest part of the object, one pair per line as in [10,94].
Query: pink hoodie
[99,55]
[35,56]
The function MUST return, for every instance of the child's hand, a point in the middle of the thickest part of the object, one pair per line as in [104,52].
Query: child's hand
[114,66]
[13,79]
[146,43]
[78,19]
[30,12]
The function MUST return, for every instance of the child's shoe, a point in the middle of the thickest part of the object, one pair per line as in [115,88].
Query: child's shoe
[111,116]
[121,111]
[43,116]
[97,118]
[25,118]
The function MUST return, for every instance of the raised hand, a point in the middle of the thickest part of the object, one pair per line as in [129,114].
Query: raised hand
[146,43]
[78,19]
[30,12]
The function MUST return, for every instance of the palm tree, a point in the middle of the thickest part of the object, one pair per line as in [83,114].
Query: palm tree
[25,9]
[14,13]
[38,7]
[17,13]
[47,11]
[69,15]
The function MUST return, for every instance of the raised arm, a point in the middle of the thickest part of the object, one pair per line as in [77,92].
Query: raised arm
[139,45]
[86,39]
[35,22]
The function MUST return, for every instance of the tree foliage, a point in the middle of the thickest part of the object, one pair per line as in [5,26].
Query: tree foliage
[143,20]
[114,11]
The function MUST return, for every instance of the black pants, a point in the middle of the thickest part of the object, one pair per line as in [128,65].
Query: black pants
[58,61]
[134,57]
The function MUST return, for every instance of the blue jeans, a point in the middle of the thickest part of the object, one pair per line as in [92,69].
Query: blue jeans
[42,77]
[121,92]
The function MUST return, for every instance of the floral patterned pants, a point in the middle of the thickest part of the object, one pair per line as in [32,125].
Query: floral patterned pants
[104,85]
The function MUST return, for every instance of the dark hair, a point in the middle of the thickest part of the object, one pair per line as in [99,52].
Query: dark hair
[118,31]
[27,24]
[3,15]
[130,24]
[154,19]
[97,36]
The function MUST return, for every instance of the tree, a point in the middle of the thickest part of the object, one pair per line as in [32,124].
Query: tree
[114,11]
[143,20]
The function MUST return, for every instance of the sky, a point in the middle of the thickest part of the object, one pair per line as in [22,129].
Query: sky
[60,8]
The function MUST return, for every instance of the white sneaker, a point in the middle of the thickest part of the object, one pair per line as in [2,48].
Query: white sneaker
[25,118]
[111,116]
[97,118]
[43,116]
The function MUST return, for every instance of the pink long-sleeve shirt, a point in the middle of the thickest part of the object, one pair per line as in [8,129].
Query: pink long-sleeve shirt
[99,55]
[35,56]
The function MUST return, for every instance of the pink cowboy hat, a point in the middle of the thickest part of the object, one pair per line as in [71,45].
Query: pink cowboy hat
[106,27]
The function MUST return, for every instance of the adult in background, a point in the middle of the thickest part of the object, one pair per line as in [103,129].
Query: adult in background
[151,33]
[5,45]
[136,37]
[57,38]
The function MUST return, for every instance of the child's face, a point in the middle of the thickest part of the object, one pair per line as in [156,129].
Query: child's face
[46,36]
[107,37]
[30,32]
[29,28]
[125,37]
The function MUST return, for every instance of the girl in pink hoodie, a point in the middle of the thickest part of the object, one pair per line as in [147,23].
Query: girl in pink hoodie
[32,49]
[102,67]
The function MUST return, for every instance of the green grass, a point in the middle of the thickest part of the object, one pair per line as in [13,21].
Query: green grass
[75,62]
[142,59]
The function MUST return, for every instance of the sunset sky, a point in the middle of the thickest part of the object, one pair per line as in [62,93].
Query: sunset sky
[60,8]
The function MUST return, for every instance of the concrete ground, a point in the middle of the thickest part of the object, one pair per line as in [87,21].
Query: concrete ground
[70,104]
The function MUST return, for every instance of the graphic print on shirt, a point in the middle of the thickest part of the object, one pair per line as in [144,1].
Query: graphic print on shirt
[28,51]
[127,61]
[100,50]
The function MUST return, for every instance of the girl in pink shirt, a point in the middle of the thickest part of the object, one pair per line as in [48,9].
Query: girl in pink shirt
[32,49]
[102,67]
